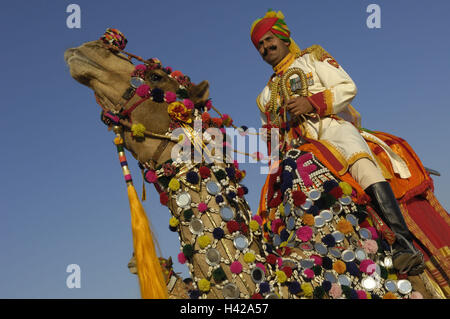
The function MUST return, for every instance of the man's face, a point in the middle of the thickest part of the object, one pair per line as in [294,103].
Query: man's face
[272,49]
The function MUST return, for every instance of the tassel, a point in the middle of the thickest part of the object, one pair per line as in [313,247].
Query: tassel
[151,279]
[144,194]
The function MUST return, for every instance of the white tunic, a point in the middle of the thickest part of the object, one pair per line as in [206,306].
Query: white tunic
[336,131]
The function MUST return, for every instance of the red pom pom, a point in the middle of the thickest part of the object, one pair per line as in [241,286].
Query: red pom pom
[240,192]
[217,121]
[232,226]
[287,270]
[271,259]
[206,117]
[163,198]
[274,202]
[257,296]
[299,198]
[204,171]
[337,192]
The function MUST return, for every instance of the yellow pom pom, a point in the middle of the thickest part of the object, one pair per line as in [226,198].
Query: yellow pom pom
[280,15]
[118,140]
[270,14]
[174,184]
[138,130]
[281,276]
[204,285]
[307,289]
[392,277]
[203,241]
[369,296]
[254,226]
[249,258]
[346,188]
[174,222]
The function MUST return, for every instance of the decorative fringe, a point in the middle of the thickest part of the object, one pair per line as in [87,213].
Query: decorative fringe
[151,279]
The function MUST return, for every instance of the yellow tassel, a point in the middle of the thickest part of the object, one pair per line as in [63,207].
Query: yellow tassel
[151,278]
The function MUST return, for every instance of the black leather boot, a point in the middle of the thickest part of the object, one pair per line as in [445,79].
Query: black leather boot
[406,258]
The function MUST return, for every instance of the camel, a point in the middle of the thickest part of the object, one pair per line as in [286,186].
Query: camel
[229,252]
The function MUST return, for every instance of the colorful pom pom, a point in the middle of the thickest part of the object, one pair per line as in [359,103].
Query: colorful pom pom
[309,273]
[174,184]
[218,233]
[202,207]
[249,258]
[204,285]
[367,266]
[346,188]
[340,267]
[163,198]
[232,226]
[188,250]
[294,287]
[204,171]
[170,97]
[307,289]
[192,177]
[219,275]
[335,291]
[254,226]
[236,267]
[189,104]
[203,241]
[138,130]
[308,220]
[281,276]
[344,226]
[304,233]
[181,258]
[370,246]
[151,177]
[173,222]
[299,198]
[143,91]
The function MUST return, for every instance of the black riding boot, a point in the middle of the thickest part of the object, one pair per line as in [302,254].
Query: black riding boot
[406,258]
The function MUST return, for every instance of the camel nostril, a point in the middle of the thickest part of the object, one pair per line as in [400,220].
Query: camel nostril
[68,53]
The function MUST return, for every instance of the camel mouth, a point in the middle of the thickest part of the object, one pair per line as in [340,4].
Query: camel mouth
[76,55]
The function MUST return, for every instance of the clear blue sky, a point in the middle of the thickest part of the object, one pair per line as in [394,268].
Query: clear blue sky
[63,200]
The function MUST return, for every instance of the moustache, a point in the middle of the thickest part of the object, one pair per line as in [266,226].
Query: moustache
[271,48]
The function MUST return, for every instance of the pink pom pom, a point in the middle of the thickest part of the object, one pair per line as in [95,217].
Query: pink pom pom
[335,291]
[223,130]
[317,260]
[236,164]
[170,97]
[304,233]
[236,267]
[361,294]
[208,105]
[370,246]
[189,104]
[141,67]
[143,91]
[367,266]
[202,207]
[309,273]
[263,268]
[276,224]
[151,177]
[181,258]
[373,231]
[280,261]
[258,219]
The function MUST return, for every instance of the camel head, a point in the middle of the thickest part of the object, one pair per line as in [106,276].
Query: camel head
[108,73]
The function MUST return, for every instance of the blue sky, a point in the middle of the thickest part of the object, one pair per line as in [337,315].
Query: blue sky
[63,200]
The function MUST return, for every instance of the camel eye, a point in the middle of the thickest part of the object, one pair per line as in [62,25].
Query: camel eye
[154,77]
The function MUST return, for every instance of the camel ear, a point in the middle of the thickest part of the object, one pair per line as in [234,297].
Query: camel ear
[199,93]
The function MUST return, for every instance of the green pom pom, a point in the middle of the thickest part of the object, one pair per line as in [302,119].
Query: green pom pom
[187,214]
[319,292]
[219,275]
[188,251]
[384,272]
[221,174]
[182,93]
[317,270]
[347,291]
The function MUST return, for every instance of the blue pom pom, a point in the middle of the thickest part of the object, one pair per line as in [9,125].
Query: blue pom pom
[329,185]
[329,240]
[264,287]
[231,172]
[219,199]
[353,294]
[352,268]
[327,263]
[218,233]
[192,177]
[194,294]
[294,287]
[231,195]
[269,248]
[284,235]
[326,285]
[286,181]
[313,210]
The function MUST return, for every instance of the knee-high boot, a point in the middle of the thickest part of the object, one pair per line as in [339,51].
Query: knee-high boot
[406,257]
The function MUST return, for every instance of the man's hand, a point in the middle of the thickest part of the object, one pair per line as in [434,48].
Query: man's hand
[299,105]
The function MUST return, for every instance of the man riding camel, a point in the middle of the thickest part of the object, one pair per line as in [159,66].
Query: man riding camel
[326,115]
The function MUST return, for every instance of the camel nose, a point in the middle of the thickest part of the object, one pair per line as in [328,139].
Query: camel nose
[68,53]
